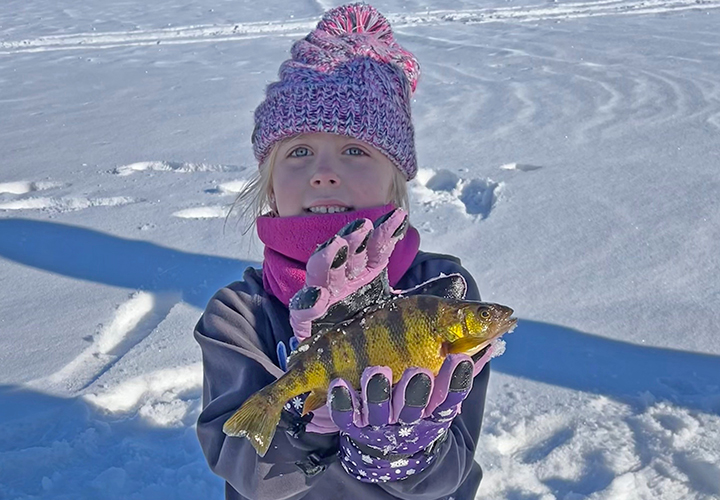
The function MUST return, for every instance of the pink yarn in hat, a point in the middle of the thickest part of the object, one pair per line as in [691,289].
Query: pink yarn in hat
[348,76]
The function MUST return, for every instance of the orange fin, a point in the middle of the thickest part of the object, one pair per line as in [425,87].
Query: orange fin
[466,345]
[314,401]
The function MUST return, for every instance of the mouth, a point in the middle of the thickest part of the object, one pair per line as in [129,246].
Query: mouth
[327,209]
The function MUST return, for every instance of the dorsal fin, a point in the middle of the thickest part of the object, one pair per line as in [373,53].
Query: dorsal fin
[447,286]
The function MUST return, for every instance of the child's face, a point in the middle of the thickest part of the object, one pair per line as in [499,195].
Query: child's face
[321,172]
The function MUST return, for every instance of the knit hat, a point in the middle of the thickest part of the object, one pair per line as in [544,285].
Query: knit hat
[348,76]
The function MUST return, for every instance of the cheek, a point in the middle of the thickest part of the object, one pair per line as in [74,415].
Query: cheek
[285,191]
[283,182]
[372,186]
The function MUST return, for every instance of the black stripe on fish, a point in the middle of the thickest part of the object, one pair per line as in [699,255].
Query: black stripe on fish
[396,324]
[429,305]
[322,348]
[357,335]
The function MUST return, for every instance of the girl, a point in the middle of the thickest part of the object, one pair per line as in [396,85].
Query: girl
[334,142]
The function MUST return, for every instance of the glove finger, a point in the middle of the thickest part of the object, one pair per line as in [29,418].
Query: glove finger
[452,384]
[326,266]
[356,234]
[308,304]
[343,403]
[375,386]
[411,395]
[389,228]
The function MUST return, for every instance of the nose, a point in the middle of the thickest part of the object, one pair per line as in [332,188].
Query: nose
[325,176]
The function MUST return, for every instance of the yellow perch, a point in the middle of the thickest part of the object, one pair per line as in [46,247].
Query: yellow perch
[415,331]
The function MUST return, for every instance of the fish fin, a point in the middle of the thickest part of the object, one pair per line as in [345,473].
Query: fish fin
[466,345]
[256,420]
[452,286]
[315,400]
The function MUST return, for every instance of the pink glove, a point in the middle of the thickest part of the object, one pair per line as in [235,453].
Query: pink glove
[339,269]
[342,266]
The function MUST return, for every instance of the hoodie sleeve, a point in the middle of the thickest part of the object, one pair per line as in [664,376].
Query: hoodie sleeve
[235,365]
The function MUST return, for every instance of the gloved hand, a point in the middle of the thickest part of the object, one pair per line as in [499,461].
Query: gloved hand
[347,274]
[388,434]
[340,268]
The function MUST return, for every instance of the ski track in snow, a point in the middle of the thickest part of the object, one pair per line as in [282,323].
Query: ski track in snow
[240,31]
[132,322]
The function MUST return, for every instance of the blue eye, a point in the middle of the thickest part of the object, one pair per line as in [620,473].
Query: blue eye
[300,152]
[353,151]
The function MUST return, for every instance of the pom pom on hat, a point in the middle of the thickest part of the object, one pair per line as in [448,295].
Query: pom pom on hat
[348,76]
[360,18]
[355,18]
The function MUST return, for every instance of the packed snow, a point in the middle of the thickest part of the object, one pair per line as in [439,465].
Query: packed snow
[570,155]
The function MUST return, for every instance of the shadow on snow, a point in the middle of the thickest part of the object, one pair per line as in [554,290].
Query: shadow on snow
[63,449]
[628,372]
[102,258]
[546,353]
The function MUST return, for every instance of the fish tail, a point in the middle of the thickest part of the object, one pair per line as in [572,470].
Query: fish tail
[257,419]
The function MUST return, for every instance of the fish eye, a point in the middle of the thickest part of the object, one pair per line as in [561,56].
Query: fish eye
[484,312]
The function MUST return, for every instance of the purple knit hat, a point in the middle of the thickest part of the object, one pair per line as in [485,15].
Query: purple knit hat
[348,76]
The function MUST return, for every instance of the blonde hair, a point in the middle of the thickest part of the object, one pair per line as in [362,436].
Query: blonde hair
[256,196]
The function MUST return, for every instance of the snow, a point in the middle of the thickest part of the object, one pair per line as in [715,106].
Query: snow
[569,155]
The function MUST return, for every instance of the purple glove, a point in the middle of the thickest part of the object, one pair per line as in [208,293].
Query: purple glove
[387,435]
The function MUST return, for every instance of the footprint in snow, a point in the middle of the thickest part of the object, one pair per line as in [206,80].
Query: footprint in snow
[25,187]
[64,204]
[539,451]
[173,166]
[211,212]
[523,167]
[231,188]
[476,197]
[50,203]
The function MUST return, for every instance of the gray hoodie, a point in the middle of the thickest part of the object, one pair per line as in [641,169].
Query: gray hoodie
[238,334]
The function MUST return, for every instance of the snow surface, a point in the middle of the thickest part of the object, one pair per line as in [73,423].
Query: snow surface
[570,155]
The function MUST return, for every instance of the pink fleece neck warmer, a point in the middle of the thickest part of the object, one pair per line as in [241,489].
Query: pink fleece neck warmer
[289,242]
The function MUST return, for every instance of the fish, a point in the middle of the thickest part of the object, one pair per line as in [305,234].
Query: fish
[413,331]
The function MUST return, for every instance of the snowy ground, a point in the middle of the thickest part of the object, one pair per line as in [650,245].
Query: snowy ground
[570,155]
